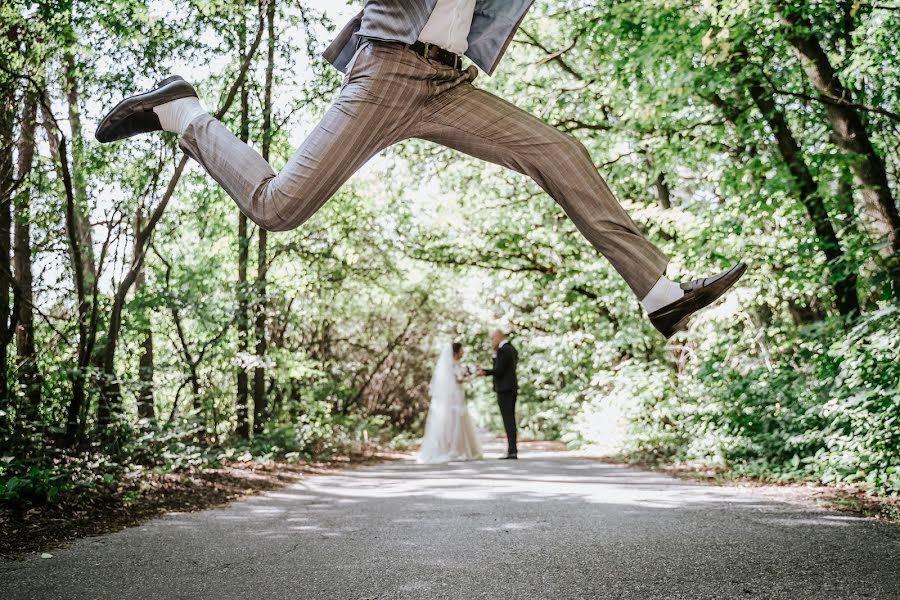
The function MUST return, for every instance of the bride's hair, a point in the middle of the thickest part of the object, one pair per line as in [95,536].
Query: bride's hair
[456,348]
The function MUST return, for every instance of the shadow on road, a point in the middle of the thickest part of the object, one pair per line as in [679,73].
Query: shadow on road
[546,526]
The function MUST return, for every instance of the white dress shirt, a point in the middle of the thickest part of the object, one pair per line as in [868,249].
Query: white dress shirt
[449,25]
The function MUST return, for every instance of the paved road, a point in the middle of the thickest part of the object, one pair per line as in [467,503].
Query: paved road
[550,526]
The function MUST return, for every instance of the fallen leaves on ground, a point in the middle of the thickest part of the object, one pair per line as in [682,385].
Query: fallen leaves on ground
[100,511]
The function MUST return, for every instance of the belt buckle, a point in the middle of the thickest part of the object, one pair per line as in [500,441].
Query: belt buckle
[427,50]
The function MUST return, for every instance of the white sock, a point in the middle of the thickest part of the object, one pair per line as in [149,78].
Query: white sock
[175,116]
[663,292]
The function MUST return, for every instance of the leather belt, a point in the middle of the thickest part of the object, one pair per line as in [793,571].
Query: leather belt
[436,53]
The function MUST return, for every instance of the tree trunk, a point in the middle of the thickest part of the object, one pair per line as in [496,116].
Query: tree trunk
[7,185]
[58,146]
[145,361]
[850,134]
[243,316]
[109,401]
[110,396]
[808,194]
[188,359]
[29,374]
[663,193]
[259,374]
[89,266]
[145,396]
[845,205]
[82,250]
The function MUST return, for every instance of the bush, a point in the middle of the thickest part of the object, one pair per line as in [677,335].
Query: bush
[24,485]
[40,472]
[823,405]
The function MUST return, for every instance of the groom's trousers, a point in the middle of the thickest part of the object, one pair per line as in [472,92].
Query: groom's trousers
[507,403]
[391,94]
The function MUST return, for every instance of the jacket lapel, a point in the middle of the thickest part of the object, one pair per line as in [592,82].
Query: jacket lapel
[493,27]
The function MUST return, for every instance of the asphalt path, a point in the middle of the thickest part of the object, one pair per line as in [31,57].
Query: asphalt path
[551,525]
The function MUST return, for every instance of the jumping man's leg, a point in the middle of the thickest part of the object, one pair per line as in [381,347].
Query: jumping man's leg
[372,112]
[360,123]
[482,125]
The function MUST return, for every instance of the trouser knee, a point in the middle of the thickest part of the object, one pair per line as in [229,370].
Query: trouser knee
[274,210]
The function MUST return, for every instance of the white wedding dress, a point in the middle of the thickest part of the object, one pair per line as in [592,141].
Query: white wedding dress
[449,429]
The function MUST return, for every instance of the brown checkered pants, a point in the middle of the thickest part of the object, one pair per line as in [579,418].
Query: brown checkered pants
[392,94]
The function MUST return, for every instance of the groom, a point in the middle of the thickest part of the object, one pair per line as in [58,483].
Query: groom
[405,79]
[506,385]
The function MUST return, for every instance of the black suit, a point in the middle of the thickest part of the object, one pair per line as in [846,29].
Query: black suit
[507,387]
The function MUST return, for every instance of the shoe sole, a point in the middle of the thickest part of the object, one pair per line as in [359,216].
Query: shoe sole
[130,101]
[682,325]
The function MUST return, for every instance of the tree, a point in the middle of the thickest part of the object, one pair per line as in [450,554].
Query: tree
[243,318]
[259,373]
[807,192]
[7,178]
[850,132]
[26,353]
[145,406]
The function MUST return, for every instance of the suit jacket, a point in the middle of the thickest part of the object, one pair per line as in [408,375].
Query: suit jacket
[504,372]
[493,26]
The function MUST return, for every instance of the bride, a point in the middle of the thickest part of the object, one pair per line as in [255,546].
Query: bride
[449,428]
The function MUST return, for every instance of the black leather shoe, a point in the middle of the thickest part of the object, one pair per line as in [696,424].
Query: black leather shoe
[510,457]
[135,115]
[697,294]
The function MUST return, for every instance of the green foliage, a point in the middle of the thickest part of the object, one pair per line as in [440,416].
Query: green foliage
[20,484]
[44,474]
[425,245]
[821,404]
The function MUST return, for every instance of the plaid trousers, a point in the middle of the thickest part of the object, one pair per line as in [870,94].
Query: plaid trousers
[391,94]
